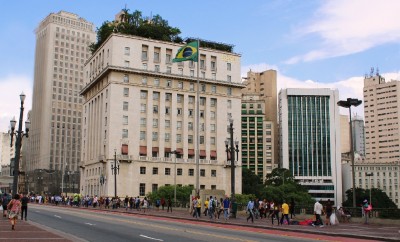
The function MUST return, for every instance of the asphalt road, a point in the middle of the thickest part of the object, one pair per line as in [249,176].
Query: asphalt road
[103,226]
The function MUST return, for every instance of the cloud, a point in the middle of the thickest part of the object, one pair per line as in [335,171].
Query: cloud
[347,27]
[12,86]
[351,87]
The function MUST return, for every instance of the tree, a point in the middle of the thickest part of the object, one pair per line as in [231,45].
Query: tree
[251,183]
[182,193]
[379,198]
[279,176]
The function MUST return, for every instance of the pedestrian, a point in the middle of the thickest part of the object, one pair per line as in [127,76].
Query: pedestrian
[285,212]
[14,206]
[198,208]
[162,203]
[145,204]
[250,207]
[220,207]
[211,207]
[292,208]
[158,202]
[318,211]
[4,201]
[366,208]
[328,212]
[226,205]
[24,206]
[206,206]
[275,212]
[169,204]
[194,202]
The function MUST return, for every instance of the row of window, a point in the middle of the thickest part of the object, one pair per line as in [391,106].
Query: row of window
[179,171]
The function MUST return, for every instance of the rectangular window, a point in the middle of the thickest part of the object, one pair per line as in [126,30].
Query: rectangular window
[213,66]
[212,140]
[167,137]
[126,92]
[229,91]
[190,112]
[167,171]
[169,69]
[190,125]
[126,63]
[179,125]
[179,172]
[155,123]
[191,99]
[155,170]
[168,55]
[124,119]
[203,87]
[180,71]
[144,52]
[191,172]
[157,54]
[202,172]
[127,51]
[142,135]
[156,96]
[168,97]
[167,110]
[124,133]
[212,128]
[178,138]
[201,139]
[180,85]
[142,170]
[155,109]
[229,103]
[190,139]
[228,66]
[144,66]
[191,73]
[214,89]
[154,187]
[228,78]
[169,83]
[191,87]
[157,68]
[126,78]
[213,173]
[213,102]
[179,98]
[142,108]
[179,111]
[142,189]
[155,136]
[167,123]
[202,101]
[144,80]
[125,106]
[143,122]
[156,82]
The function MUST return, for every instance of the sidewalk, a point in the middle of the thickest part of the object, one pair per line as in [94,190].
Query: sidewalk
[27,231]
[381,232]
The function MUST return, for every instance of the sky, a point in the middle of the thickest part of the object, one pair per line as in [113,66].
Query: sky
[311,43]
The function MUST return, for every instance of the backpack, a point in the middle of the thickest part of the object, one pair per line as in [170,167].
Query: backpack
[214,203]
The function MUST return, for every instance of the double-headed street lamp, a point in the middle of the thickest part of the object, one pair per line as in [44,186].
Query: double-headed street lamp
[230,151]
[347,104]
[18,143]
[114,170]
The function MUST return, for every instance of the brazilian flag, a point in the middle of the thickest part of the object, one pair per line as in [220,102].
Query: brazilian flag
[187,52]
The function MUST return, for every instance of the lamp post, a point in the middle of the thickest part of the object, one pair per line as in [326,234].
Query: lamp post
[369,174]
[347,104]
[114,170]
[231,151]
[18,143]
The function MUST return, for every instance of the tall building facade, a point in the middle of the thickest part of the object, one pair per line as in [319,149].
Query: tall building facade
[310,140]
[263,84]
[6,152]
[381,113]
[62,47]
[358,135]
[257,136]
[140,109]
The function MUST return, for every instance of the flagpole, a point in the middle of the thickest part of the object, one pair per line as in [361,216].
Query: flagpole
[198,121]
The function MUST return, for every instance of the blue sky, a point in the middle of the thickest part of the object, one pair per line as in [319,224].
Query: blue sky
[313,43]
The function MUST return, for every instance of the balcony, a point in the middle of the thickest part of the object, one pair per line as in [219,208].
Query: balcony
[102,158]
[227,163]
[125,158]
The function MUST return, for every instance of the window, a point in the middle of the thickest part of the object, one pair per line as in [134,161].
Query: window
[179,172]
[166,137]
[168,96]
[202,101]
[167,171]
[144,80]
[144,52]
[124,133]
[191,99]
[190,125]
[191,172]
[154,187]
[169,69]
[203,87]
[229,103]
[142,189]
[212,128]
[155,170]
[203,74]
[213,173]
[142,135]
[155,123]
[179,98]
[179,125]
[202,172]
[191,64]
[213,102]
[168,58]
[180,71]
[167,123]
[125,119]
[191,87]
[155,109]
[126,92]
[156,54]
[142,108]
[179,111]
[229,91]
[156,95]
[126,63]
[144,66]
[190,112]
[202,64]
[126,78]
[190,139]
[191,73]
[201,113]
[180,85]
[155,136]
[157,68]
[212,140]
[127,51]
[156,82]
[229,78]
[169,83]
[143,122]
[167,110]
[228,66]
[178,138]
[201,139]
[213,66]
[214,89]
[142,170]
[125,106]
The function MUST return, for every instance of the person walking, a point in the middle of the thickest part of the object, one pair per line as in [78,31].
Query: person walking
[24,206]
[206,206]
[318,211]
[211,207]
[4,203]
[275,212]
[292,208]
[162,203]
[285,212]
[198,208]
[226,205]
[328,212]
[169,204]
[250,207]
[15,208]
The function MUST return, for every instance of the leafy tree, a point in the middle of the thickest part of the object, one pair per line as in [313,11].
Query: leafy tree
[279,176]
[251,183]
[182,194]
[379,198]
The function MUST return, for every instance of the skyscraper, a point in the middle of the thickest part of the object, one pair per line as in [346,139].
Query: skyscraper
[62,47]
[310,140]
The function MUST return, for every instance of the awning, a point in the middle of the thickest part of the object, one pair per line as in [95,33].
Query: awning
[167,150]
[202,153]
[154,149]
[124,149]
[179,151]
[213,154]
[143,150]
[190,151]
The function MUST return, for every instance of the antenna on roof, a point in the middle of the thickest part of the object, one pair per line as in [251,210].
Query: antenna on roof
[377,71]
[372,72]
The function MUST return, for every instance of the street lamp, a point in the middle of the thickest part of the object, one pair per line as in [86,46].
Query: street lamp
[369,174]
[18,134]
[114,170]
[347,104]
[230,151]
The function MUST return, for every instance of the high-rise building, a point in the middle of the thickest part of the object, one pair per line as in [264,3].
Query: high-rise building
[381,113]
[310,140]
[358,135]
[62,47]
[262,85]
[257,136]
[6,152]
[140,109]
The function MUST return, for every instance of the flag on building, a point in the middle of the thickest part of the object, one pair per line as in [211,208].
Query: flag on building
[187,52]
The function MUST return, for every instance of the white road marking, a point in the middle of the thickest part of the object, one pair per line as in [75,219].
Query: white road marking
[90,224]
[57,216]
[147,237]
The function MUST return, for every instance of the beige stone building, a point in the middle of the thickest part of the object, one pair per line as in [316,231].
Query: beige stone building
[263,85]
[62,41]
[382,113]
[140,107]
